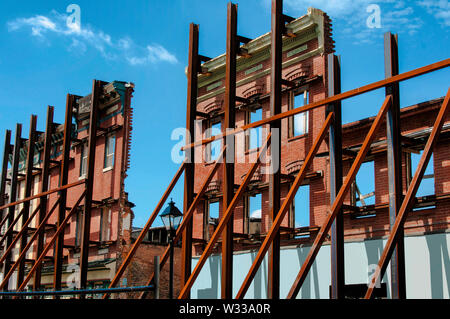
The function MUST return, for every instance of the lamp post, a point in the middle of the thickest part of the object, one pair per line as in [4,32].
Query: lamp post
[171,218]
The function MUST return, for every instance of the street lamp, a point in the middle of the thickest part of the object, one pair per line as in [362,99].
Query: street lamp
[171,218]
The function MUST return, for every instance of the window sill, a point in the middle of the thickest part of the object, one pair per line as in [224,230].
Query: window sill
[253,150]
[298,137]
[108,169]
[209,163]
[82,177]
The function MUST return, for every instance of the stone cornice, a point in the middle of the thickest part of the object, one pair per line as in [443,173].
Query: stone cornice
[306,28]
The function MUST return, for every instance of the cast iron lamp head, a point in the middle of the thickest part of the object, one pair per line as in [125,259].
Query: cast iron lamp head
[171,217]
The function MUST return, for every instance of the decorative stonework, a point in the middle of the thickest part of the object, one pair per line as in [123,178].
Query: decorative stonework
[294,166]
[300,72]
[252,91]
[213,107]
[257,176]
[213,187]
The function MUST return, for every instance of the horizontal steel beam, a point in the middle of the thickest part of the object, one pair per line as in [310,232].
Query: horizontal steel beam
[78,291]
[338,97]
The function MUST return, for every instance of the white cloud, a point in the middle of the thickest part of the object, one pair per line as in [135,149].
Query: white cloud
[440,9]
[349,16]
[38,24]
[82,37]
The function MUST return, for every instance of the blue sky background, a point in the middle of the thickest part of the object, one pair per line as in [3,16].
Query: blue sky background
[146,42]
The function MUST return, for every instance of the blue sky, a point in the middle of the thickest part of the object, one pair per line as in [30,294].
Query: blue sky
[146,42]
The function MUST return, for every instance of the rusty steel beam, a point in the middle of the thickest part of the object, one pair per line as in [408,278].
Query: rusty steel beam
[28,187]
[336,207]
[191,109]
[335,146]
[145,229]
[49,245]
[277,25]
[11,227]
[394,159]
[223,221]
[21,233]
[409,200]
[89,186]
[232,46]
[12,194]
[63,180]
[52,191]
[187,217]
[339,97]
[274,229]
[44,188]
[4,172]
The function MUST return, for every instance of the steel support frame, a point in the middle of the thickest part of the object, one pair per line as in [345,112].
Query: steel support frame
[332,99]
[185,292]
[394,159]
[22,255]
[64,178]
[28,187]
[52,241]
[145,229]
[337,204]
[187,217]
[45,169]
[89,186]
[191,107]
[274,229]
[4,172]
[228,167]
[12,194]
[408,201]
[335,147]
[277,25]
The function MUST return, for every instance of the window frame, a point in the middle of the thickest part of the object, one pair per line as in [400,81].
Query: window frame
[247,213]
[248,114]
[107,153]
[208,134]
[207,216]
[291,122]
[105,221]
[83,160]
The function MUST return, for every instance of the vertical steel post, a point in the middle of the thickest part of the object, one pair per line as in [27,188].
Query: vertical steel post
[228,167]
[4,173]
[28,187]
[394,158]
[45,167]
[191,107]
[335,145]
[85,237]
[171,246]
[57,274]
[13,194]
[156,282]
[275,154]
